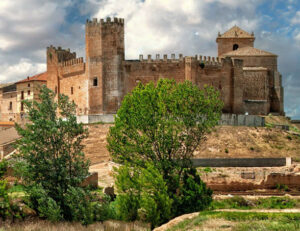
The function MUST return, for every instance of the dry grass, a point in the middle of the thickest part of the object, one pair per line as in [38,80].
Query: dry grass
[239,141]
[40,225]
[249,142]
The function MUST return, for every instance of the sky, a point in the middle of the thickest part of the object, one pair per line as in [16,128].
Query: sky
[189,27]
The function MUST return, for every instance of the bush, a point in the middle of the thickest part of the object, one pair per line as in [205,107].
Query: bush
[45,206]
[3,168]
[192,194]
[142,195]
[78,205]
[4,200]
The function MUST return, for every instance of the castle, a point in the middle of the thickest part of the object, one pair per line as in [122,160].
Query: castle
[246,77]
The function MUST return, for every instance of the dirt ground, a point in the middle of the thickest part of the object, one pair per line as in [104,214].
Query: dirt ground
[224,141]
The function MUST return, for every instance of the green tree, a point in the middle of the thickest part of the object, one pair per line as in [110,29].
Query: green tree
[164,124]
[51,146]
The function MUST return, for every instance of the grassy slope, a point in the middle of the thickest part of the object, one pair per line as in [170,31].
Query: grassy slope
[238,221]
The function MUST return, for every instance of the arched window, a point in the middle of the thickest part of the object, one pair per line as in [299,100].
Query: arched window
[235,47]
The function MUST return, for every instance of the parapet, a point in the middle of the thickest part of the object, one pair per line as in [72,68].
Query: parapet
[62,54]
[72,62]
[208,60]
[108,21]
[164,58]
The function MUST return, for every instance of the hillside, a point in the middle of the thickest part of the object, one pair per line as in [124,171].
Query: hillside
[224,141]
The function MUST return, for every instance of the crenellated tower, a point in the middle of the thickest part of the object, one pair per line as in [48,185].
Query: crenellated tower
[104,57]
[55,58]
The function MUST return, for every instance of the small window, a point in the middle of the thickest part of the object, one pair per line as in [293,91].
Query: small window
[28,84]
[22,106]
[28,92]
[95,82]
[22,94]
[72,91]
[235,47]
[10,105]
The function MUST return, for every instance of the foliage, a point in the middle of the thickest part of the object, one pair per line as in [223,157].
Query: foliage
[4,200]
[193,194]
[163,124]
[51,144]
[43,204]
[78,205]
[51,159]
[3,168]
[142,195]
[238,202]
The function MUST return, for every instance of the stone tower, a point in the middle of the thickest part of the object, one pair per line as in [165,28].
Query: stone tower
[104,57]
[234,39]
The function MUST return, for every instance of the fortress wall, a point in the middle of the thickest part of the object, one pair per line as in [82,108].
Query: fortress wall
[146,71]
[72,67]
[269,62]
[79,83]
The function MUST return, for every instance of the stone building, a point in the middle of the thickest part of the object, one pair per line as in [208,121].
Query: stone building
[246,77]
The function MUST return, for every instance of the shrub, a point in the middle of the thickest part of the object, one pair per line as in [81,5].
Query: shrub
[4,201]
[142,195]
[78,205]
[45,206]
[3,168]
[192,194]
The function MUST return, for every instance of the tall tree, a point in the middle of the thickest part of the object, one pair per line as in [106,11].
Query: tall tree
[163,124]
[51,144]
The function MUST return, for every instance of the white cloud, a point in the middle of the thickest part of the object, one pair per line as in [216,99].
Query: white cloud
[175,26]
[24,68]
[296,18]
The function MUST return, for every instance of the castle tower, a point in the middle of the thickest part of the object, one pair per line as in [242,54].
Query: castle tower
[104,57]
[234,39]
[56,56]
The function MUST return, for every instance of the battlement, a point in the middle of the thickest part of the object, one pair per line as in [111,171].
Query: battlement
[201,59]
[164,58]
[62,54]
[107,21]
[72,62]
[208,60]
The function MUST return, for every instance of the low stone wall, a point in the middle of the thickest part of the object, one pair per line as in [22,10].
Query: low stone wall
[88,119]
[242,120]
[272,181]
[241,162]
[226,119]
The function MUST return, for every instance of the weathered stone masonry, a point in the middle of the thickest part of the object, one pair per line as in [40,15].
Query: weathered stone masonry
[246,77]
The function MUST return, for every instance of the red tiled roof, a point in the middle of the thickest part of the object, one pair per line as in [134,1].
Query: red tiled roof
[38,77]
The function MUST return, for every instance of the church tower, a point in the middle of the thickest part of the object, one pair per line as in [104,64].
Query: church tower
[234,39]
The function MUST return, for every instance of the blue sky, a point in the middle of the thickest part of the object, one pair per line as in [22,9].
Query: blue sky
[189,27]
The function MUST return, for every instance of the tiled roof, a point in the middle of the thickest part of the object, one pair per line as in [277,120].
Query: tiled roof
[236,32]
[8,135]
[38,77]
[248,51]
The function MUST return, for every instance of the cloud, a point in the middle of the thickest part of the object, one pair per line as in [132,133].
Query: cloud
[27,27]
[175,26]
[296,18]
[189,27]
